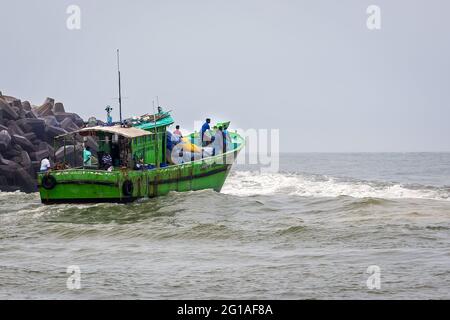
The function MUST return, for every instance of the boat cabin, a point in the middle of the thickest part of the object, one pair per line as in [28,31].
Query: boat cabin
[128,147]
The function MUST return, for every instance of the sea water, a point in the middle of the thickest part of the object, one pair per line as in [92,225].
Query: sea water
[325,226]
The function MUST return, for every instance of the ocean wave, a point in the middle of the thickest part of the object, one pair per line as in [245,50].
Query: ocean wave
[251,183]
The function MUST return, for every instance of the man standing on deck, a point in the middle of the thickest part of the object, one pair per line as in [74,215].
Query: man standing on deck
[218,142]
[45,165]
[205,128]
[87,155]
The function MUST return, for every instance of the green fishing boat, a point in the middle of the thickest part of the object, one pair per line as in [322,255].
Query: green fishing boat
[138,158]
[145,162]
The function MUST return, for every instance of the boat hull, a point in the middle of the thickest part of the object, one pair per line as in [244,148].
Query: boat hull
[96,186]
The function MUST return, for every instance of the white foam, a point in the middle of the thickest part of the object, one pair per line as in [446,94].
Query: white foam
[246,183]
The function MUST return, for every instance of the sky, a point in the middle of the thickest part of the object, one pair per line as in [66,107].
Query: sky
[311,69]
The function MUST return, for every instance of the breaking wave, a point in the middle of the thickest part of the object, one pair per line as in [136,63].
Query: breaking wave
[250,183]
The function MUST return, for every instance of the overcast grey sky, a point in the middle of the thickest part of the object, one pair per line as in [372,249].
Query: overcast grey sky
[310,68]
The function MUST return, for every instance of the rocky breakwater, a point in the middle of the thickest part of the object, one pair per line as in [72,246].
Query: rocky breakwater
[27,135]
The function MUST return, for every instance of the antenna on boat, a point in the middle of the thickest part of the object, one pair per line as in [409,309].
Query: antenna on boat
[120,88]
[157,102]
[157,163]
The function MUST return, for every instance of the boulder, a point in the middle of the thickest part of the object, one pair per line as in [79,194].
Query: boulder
[47,111]
[16,103]
[60,116]
[13,128]
[23,142]
[26,106]
[37,125]
[31,136]
[14,150]
[25,181]
[51,121]
[59,108]
[3,181]
[23,124]
[31,114]
[73,159]
[8,163]
[39,155]
[50,101]
[69,125]
[5,140]
[52,132]
[7,111]
[25,160]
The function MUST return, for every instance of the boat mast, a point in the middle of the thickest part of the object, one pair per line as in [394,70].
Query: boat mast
[120,88]
[157,162]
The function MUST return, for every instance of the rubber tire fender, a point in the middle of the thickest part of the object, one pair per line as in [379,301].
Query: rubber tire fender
[48,182]
[127,188]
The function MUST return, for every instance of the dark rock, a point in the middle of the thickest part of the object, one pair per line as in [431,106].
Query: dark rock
[74,159]
[30,136]
[7,111]
[39,155]
[3,181]
[23,142]
[23,124]
[51,121]
[73,116]
[13,128]
[8,163]
[25,181]
[14,151]
[27,135]
[52,131]
[5,140]
[69,125]
[26,106]
[31,114]
[16,104]
[25,160]
[37,125]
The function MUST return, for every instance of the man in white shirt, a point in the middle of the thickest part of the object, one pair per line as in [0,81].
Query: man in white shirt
[45,165]
[218,142]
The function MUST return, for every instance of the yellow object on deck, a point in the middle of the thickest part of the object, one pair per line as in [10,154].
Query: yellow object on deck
[189,147]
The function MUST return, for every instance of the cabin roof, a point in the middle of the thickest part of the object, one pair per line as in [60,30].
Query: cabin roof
[121,131]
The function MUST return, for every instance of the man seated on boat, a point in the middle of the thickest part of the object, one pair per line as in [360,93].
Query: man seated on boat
[178,132]
[107,161]
[87,157]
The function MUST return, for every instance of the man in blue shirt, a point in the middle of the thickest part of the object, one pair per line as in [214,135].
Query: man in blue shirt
[205,127]
[87,161]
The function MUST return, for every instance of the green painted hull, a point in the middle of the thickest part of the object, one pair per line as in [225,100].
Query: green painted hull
[93,186]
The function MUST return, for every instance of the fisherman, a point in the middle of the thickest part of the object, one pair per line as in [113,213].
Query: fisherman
[205,138]
[45,165]
[178,132]
[226,140]
[107,161]
[87,157]
[218,141]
